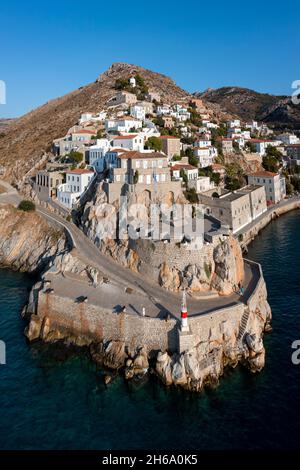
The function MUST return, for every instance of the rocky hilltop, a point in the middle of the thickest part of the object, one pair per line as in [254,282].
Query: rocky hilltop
[27,138]
[247,104]
[30,136]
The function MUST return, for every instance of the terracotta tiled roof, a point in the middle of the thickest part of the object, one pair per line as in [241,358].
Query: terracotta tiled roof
[134,154]
[85,131]
[80,172]
[123,137]
[169,137]
[267,174]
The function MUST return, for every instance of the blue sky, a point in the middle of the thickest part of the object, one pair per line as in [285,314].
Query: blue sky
[49,48]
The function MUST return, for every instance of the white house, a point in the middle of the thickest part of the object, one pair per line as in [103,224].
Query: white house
[77,181]
[261,145]
[123,124]
[288,139]
[204,156]
[130,142]
[233,132]
[240,140]
[162,110]
[132,82]
[201,184]
[83,135]
[274,184]
[233,123]
[253,125]
[190,171]
[202,143]
[138,112]
[97,154]
[209,125]
[90,117]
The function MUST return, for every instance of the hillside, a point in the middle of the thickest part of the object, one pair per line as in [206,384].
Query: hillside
[248,104]
[28,137]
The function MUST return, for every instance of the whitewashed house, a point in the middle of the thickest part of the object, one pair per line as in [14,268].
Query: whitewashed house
[203,143]
[204,156]
[261,145]
[77,181]
[233,123]
[288,139]
[190,171]
[138,112]
[129,142]
[123,124]
[201,184]
[97,154]
[274,184]
[162,110]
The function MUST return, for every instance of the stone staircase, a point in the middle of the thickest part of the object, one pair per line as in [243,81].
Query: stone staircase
[244,323]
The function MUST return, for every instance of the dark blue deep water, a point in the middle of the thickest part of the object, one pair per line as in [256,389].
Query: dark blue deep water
[50,401]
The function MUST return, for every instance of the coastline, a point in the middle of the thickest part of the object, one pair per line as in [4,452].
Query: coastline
[250,232]
[188,359]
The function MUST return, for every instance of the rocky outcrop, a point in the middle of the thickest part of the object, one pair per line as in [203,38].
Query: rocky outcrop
[223,346]
[229,266]
[218,268]
[27,242]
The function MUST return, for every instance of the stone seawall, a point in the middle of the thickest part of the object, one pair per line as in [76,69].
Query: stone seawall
[277,211]
[214,340]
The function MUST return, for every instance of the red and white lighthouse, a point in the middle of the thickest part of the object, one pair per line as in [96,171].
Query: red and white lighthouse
[184,313]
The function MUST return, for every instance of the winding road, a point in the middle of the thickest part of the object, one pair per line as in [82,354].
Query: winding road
[156,299]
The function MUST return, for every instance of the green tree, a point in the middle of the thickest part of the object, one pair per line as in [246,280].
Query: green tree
[216,178]
[295,181]
[191,196]
[26,206]
[136,177]
[270,163]
[184,176]
[154,143]
[74,157]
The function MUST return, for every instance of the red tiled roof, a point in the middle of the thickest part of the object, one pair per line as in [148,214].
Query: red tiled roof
[134,154]
[80,172]
[123,137]
[118,150]
[85,131]
[217,166]
[169,137]
[268,174]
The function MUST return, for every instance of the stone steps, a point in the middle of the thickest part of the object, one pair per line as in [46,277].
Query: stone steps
[244,323]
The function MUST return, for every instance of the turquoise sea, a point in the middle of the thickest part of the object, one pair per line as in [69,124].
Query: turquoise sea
[57,400]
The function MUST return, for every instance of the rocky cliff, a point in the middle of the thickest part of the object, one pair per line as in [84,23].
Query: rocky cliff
[27,242]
